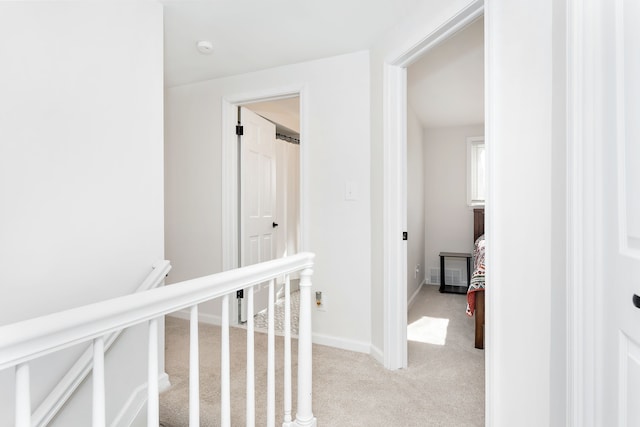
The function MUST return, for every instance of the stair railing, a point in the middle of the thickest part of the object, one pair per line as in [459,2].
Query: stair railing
[27,340]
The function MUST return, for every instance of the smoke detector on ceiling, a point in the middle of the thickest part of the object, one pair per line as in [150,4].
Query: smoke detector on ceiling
[205,47]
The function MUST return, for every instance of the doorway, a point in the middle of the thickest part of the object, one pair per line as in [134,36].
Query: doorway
[395,200]
[277,118]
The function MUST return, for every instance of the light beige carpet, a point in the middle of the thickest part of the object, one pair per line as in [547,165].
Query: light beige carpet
[443,386]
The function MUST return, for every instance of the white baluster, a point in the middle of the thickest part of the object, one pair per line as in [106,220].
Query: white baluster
[304,414]
[194,370]
[287,350]
[251,393]
[153,408]
[98,413]
[225,376]
[23,396]
[271,357]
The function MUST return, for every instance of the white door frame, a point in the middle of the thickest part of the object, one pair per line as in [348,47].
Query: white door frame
[395,204]
[230,171]
[584,207]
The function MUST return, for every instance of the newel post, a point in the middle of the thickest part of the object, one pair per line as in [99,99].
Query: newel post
[304,415]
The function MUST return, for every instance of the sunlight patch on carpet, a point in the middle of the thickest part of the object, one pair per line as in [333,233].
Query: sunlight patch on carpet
[429,330]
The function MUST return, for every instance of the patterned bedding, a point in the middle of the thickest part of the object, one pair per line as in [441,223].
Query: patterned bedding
[477,279]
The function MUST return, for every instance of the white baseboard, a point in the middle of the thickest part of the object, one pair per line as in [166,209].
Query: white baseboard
[330,341]
[209,319]
[377,354]
[137,402]
[415,294]
[341,343]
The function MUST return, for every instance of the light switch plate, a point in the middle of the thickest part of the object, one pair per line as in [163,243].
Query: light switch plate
[351,191]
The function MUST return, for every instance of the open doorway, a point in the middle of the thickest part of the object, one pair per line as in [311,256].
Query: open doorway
[445,191]
[445,168]
[395,199]
[269,197]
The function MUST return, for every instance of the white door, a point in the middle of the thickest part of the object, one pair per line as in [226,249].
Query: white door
[281,199]
[619,347]
[258,196]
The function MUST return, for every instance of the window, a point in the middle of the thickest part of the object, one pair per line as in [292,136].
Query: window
[475,171]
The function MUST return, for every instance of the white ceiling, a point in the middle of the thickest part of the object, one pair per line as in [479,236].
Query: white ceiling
[446,86]
[250,35]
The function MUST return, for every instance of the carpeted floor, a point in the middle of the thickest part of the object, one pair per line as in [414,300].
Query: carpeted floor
[443,386]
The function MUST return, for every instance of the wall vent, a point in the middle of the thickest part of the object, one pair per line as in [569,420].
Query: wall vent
[434,276]
[451,277]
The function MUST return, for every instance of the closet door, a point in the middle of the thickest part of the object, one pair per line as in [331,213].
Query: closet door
[258,196]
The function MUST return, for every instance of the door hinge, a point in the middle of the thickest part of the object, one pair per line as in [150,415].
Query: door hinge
[239,130]
[240,294]
[405,235]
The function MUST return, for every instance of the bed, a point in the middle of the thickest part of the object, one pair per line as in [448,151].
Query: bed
[475,292]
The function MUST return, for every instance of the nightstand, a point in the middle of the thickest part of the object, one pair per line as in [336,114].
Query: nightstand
[454,289]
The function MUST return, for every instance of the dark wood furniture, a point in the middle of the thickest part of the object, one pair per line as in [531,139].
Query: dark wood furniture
[454,289]
[478,230]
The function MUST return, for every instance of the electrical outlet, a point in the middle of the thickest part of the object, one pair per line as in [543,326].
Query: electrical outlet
[320,301]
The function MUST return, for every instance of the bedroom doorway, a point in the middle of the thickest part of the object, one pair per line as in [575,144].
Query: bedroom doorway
[445,176]
[395,203]
[444,212]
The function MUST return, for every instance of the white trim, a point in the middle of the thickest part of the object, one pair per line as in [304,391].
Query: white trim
[137,402]
[72,379]
[321,339]
[230,184]
[472,170]
[492,293]
[377,354]
[34,338]
[412,300]
[583,206]
[394,218]
[207,319]
[625,248]
[395,213]
[342,343]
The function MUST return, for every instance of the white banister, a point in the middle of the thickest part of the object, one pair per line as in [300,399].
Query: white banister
[225,369]
[304,414]
[153,407]
[49,407]
[271,358]
[287,350]
[251,393]
[24,341]
[98,414]
[23,396]
[194,370]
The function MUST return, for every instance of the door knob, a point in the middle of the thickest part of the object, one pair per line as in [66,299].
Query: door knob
[636,300]
[275,224]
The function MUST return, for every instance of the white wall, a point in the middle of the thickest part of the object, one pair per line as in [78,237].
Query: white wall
[336,147]
[525,144]
[449,220]
[415,204]
[80,168]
